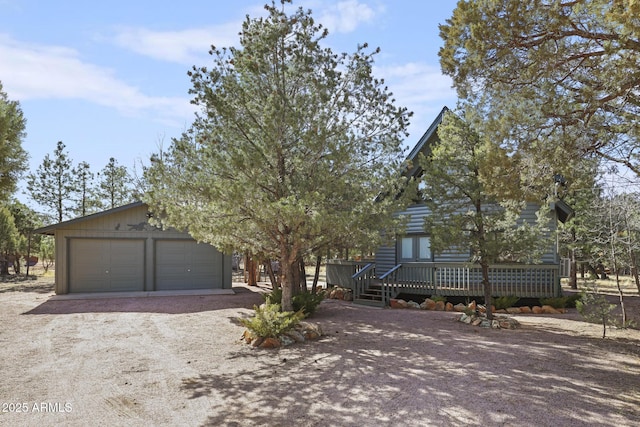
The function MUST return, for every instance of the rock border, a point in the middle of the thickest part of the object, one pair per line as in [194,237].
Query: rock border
[302,332]
[439,305]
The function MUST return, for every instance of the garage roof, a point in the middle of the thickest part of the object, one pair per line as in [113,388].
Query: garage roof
[50,229]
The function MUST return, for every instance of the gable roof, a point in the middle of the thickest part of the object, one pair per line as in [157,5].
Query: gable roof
[50,229]
[430,136]
[563,210]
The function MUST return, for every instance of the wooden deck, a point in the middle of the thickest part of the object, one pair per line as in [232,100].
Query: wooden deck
[445,279]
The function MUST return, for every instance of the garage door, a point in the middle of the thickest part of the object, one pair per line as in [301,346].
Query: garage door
[106,265]
[185,264]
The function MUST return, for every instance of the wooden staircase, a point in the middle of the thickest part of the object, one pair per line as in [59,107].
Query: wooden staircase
[371,296]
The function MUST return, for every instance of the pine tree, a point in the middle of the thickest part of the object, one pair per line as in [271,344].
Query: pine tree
[291,150]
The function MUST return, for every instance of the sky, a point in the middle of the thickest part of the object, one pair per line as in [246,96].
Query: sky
[109,79]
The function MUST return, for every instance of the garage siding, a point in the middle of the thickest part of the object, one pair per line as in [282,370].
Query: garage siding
[121,250]
[106,265]
[185,264]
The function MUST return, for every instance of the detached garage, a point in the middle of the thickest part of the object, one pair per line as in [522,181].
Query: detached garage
[119,251]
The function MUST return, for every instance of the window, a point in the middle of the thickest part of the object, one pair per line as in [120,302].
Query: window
[406,251]
[415,249]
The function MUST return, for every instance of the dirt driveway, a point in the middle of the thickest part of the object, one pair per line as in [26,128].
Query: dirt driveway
[178,361]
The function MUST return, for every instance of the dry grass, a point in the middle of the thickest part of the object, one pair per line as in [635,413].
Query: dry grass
[607,286]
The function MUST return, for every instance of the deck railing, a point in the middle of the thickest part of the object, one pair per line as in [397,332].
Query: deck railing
[452,279]
[340,272]
[363,279]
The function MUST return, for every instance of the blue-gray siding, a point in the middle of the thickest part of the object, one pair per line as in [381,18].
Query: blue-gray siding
[387,256]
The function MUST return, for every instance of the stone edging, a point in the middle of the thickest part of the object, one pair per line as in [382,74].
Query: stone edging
[303,331]
[430,304]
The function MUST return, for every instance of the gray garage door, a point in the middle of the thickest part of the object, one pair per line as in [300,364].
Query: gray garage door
[106,265]
[185,264]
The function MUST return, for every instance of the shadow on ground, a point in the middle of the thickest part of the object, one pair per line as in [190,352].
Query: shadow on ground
[416,368]
[23,283]
[244,298]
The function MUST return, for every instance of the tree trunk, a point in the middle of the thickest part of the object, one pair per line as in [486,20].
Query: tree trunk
[4,267]
[621,298]
[634,270]
[303,276]
[250,267]
[573,265]
[316,275]
[573,272]
[486,285]
[272,275]
[16,264]
[289,279]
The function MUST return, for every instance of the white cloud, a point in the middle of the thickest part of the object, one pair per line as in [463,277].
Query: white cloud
[33,71]
[345,16]
[421,88]
[182,46]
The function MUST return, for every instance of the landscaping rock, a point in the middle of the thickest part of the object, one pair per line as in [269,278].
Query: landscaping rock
[257,342]
[525,309]
[429,304]
[448,307]
[247,336]
[310,331]
[439,306]
[513,310]
[270,343]
[286,340]
[397,303]
[547,309]
[536,309]
[459,307]
[296,336]
[499,322]
[413,304]
[472,305]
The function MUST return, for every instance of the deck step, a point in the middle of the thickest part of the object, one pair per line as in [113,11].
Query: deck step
[371,295]
[369,302]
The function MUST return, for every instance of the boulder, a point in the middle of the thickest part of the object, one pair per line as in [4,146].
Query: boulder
[459,307]
[247,336]
[536,309]
[547,309]
[413,304]
[525,309]
[513,310]
[296,336]
[286,340]
[472,305]
[448,307]
[397,303]
[429,304]
[270,343]
[439,305]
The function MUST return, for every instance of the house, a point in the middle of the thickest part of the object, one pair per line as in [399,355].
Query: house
[408,266]
[119,251]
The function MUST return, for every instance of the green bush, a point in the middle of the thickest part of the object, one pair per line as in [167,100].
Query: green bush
[269,322]
[436,298]
[305,301]
[502,303]
[561,302]
[595,308]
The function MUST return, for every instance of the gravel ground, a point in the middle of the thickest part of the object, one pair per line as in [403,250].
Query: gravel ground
[179,361]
